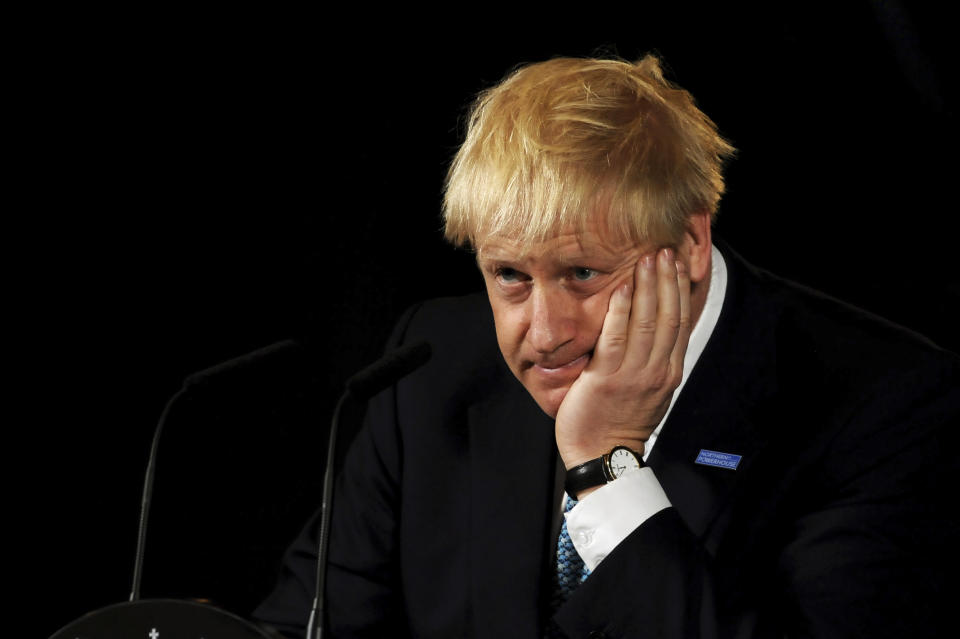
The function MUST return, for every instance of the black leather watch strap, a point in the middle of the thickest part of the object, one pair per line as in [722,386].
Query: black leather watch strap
[586,475]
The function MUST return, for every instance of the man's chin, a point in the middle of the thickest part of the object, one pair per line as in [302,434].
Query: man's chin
[549,400]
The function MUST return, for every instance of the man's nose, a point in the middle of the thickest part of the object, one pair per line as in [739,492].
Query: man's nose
[552,322]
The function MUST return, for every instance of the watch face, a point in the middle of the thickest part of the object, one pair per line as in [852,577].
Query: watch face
[622,460]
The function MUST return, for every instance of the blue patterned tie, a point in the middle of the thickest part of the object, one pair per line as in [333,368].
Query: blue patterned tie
[570,569]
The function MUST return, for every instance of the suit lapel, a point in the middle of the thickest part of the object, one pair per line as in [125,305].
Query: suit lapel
[717,410]
[513,452]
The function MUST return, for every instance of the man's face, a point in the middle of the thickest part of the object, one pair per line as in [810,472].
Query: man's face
[549,303]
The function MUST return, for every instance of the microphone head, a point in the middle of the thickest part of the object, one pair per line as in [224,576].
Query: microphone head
[388,369]
[279,352]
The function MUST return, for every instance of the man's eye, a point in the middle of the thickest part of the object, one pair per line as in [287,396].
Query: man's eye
[582,273]
[509,275]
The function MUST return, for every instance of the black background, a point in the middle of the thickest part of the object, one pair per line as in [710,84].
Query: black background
[188,187]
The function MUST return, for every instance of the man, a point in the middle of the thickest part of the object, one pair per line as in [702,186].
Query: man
[742,457]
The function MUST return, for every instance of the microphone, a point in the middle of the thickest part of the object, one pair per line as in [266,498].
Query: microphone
[198,379]
[368,382]
[261,355]
[388,369]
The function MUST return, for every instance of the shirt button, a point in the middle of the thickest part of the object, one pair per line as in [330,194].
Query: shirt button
[585,537]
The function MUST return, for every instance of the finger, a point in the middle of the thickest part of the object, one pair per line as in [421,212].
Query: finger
[686,321]
[643,314]
[668,311]
[612,342]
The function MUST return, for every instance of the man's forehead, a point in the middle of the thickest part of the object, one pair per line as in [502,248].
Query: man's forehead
[566,246]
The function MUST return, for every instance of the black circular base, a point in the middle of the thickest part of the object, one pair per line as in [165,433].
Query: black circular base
[160,619]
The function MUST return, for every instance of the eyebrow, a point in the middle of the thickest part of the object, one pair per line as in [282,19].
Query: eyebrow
[494,255]
[566,259]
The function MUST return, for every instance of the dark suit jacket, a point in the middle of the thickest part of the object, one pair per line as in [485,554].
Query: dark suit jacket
[838,522]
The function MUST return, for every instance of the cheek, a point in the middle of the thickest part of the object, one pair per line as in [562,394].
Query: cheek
[510,331]
[594,313]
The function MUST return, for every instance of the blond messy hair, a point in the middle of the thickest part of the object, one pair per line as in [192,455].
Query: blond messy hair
[558,141]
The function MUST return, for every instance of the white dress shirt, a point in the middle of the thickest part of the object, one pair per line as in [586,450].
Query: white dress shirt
[609,514]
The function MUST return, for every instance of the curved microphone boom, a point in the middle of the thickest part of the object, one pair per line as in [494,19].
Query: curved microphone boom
[371,380]
[189,383]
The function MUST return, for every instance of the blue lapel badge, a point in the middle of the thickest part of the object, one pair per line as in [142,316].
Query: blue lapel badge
[720,460]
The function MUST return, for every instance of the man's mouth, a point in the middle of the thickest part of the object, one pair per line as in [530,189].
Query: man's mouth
[562,373]
[548,367]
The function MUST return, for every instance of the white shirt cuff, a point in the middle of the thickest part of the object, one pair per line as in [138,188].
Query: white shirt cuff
[609,514]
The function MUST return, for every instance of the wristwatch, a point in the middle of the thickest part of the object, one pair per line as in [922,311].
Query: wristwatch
[602,470]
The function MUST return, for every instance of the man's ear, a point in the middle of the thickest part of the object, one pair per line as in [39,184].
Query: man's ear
[698,245]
